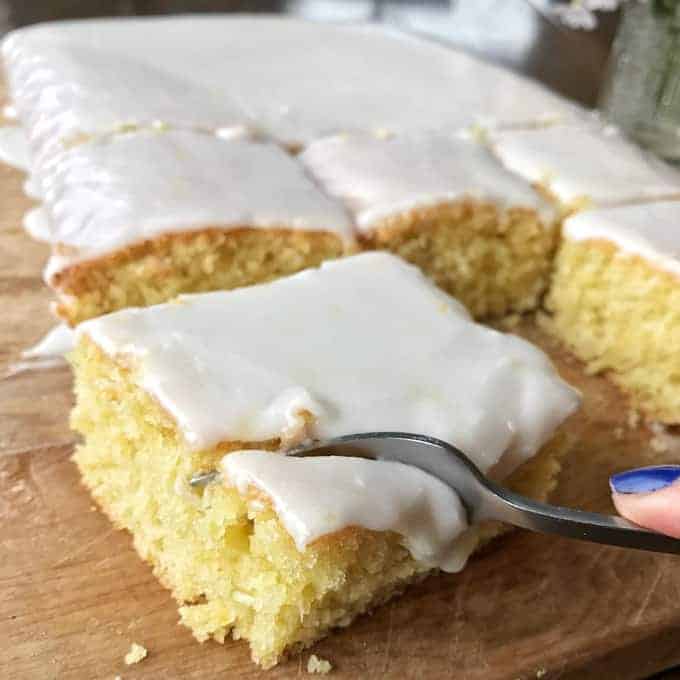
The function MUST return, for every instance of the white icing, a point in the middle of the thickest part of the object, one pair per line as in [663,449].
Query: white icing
[14,149]
[66,91]
[649,230]
[363,343]
[32,188]
[9,112]
[105,195]
[32,365]
[294,79]
[378,177]
[48,353]
[586,163]
[314,497]
[37,224]
[57,342]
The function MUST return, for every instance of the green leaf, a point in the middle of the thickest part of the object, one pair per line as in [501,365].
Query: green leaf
[667,7]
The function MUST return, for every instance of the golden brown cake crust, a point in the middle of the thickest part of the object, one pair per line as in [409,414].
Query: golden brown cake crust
[212,258]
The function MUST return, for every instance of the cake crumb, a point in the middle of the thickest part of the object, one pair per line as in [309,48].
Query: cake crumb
[383,133]
[476,132]
[659,444]
[540,673]
[662,440]
[136,654]
[317,665]
[118,678]
[633,419]
[618,432]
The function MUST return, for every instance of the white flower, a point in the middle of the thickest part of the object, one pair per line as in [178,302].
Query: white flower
[580,14]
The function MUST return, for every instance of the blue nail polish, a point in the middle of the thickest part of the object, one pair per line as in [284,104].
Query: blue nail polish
[645,479]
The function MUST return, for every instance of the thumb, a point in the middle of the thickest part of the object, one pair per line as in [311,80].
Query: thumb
[650,497]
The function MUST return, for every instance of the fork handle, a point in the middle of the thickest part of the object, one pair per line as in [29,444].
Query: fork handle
[506,506]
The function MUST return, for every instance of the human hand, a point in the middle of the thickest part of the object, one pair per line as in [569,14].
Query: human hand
[650,497]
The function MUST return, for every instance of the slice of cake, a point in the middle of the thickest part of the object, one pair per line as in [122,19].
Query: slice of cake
[363,343]
[446,204]
[136,219]
[585,166]
[615,299]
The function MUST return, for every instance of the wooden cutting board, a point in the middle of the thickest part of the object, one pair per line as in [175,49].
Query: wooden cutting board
[74,595]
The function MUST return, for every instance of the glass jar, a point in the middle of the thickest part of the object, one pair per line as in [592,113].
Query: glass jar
[641,92]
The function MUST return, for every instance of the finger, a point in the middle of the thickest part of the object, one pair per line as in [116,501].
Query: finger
[650,497]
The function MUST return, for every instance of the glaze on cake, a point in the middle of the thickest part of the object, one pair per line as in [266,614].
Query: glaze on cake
[350,374]
[211,72]
[318,497]
[586,165]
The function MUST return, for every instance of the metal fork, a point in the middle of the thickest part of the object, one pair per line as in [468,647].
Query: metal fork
[482,498]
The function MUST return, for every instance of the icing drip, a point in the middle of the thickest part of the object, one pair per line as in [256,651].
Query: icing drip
[37,224]
[48,353]
[32,188]
[57,342]
[14,147]
[315,497]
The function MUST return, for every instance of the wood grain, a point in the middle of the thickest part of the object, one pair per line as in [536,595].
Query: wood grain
[75,595]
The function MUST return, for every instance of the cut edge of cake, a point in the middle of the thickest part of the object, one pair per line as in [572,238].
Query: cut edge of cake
[614,301]
[495,261]
[207,259]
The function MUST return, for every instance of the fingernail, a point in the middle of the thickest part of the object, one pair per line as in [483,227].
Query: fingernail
[645,479]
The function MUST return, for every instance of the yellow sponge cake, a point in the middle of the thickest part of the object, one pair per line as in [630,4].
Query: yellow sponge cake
[280,551]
